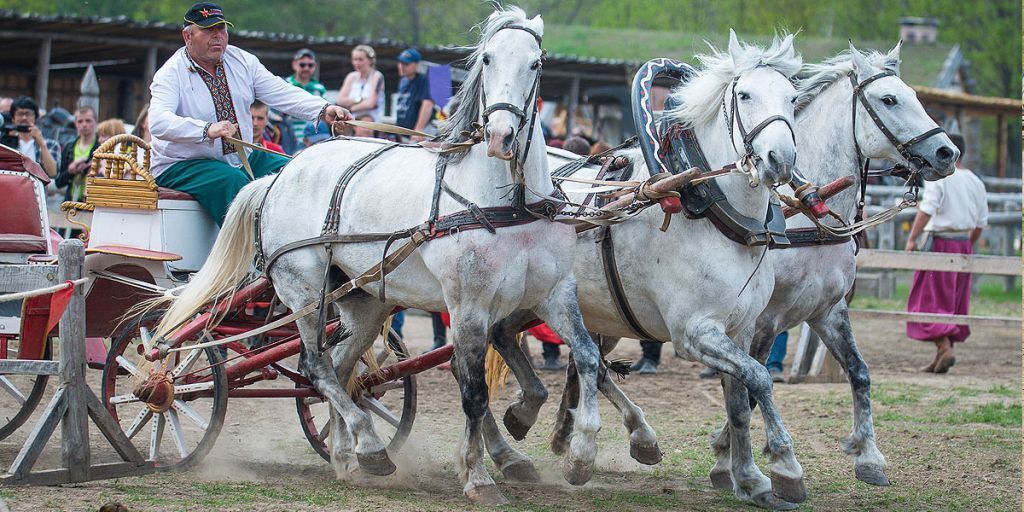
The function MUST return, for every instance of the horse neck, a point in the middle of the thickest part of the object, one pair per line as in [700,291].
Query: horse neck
[825,145]
[487,181]
[719,152]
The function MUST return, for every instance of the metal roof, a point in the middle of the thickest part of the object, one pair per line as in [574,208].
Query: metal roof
[120,43]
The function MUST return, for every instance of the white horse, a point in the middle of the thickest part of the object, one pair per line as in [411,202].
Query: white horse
[691,284]
[811,282]
[476,275]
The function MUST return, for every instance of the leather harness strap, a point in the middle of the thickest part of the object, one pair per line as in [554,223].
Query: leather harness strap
[811,237]
[619,298]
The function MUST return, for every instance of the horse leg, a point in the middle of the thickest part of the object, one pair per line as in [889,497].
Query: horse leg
[566,406]
[468,336]
[835,332]
[643,442]
[512,463]
[562,313]
[721,473]
[709,344]
[750,484]
[522,414]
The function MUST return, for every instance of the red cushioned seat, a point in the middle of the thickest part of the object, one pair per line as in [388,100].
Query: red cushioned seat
[14,242]
[173,195]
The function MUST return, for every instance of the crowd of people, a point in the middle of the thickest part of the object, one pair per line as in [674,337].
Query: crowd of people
[288,114]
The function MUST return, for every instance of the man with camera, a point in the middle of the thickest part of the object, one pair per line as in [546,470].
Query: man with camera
[23,134]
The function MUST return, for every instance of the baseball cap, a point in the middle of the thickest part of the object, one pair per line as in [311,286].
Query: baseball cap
[305,52]
[205,14]
[315,133]
[409,55]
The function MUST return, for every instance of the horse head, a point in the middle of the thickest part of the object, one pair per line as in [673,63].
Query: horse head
[751,89]
[890,121]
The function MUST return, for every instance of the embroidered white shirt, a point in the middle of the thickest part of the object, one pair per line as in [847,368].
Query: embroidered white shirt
[956,203]
[182,106]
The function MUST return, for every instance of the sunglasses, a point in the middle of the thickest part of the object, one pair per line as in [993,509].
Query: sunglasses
[307,64]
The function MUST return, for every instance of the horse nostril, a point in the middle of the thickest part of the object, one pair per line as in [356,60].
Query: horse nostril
[507,141]
[774,160]
[945,153]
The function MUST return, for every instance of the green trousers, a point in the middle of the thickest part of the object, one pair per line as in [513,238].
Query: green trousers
[215,184]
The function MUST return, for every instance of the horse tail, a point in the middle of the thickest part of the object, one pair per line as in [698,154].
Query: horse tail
[229,262]
[496,371]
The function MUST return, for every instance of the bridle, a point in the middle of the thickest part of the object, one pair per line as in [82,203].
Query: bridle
[902,147]
[734,117]
[518,112]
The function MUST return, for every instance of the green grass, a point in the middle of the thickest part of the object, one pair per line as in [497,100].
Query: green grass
[920,65]
[995,413]
[621,500]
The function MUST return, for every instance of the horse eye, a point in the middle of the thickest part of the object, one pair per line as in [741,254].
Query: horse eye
[487,59]
[743,96]
[535,65]
[889,100]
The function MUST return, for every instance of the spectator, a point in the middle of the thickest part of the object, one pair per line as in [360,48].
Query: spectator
[954,211]
[364,132]
[5,105]
[141,129]
[777,356]
[577,145]
[599,147]
[28,140]
[104,131]
[315,132]
[77,156]
[303,68]
[550,343]
[260,117]
[362,91]
[414,106]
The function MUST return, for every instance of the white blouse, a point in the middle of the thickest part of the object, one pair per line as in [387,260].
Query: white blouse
[956,203]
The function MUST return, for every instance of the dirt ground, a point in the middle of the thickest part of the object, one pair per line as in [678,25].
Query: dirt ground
[953,442]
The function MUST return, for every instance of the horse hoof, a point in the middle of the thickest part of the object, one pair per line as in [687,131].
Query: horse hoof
[789,489]
[516,428]
[376,463]
[577,474]
[486,495]
[721,479]
[872,474]
[522,471]
[770,501]
[648,454]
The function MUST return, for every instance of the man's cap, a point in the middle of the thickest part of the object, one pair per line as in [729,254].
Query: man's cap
[305,52]
[410,55]
[205,14]
[316,132]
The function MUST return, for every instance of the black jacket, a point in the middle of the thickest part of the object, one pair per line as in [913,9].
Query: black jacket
[67,155]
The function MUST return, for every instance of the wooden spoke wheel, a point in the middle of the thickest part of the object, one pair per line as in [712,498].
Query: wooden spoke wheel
[392,405]
[185,406]
[20,394]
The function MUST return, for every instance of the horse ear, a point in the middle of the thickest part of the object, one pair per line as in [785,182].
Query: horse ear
[538,24]
[734,46]
[860,64]
[892,59]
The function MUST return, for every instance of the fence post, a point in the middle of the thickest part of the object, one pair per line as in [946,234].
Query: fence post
[75,427]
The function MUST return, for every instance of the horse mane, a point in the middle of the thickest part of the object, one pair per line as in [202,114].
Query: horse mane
[821,76]
[700,98]
[466,101]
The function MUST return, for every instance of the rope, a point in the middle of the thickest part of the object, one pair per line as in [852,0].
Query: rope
[44,291]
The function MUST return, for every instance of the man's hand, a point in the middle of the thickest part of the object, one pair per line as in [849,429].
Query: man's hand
[37,135]
[911,245]
[78,166]
[221,129]
[336,116]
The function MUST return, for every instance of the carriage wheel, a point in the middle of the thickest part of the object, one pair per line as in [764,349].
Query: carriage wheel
[20,394]
[392,406]
[177,432]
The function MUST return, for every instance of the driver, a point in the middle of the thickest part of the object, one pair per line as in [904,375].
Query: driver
[202,94]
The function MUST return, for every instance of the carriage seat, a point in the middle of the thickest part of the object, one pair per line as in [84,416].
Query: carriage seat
[169,194]
[23,227]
